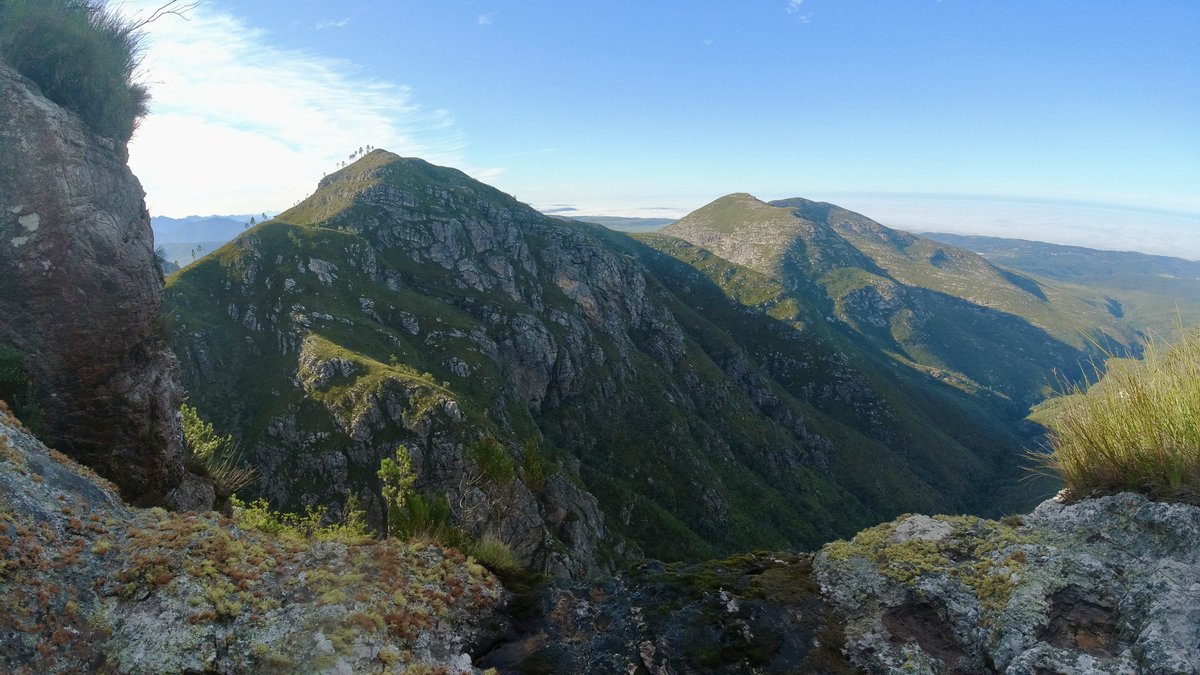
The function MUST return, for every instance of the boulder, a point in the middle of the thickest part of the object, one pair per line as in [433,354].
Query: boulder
[1105,585]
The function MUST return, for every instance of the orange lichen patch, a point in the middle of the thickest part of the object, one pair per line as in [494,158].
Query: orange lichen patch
[9,454]
[8,417]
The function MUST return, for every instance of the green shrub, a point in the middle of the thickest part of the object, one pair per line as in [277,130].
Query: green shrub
[494,554]
[1137,429]
[212,455]
[397,476]
[257,515]
[12,366]
[492,461]
[533,466]
[425,517]
[16,389]
[81,55]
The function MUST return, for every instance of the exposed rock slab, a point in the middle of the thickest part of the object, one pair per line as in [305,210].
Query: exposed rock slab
[1106,585]
[756,613]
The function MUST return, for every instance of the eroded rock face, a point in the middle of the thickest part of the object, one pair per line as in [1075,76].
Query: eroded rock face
[1107,585]
[80,293]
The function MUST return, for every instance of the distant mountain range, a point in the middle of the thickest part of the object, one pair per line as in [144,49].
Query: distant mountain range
[1154,290]
[194,229]
[184,240]
[756,375]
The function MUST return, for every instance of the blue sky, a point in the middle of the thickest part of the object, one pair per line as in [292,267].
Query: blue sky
[1065,121]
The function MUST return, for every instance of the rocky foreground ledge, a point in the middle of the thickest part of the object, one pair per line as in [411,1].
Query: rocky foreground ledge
[88,584]
[1108,585]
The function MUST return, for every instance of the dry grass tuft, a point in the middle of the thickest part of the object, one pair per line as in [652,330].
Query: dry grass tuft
[1137,429]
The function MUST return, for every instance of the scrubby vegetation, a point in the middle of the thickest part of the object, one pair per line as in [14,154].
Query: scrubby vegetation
[413,516]
[1137,429]
[82,56]
[351,528]
[213,455]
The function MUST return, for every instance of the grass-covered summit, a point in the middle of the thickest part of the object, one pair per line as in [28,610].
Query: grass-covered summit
[931,306]
[650,394]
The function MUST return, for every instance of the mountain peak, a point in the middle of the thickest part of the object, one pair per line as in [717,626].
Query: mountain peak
[380,161]
[382,178]
[728,214]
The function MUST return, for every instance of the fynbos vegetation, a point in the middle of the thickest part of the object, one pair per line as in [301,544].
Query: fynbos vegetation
[81,55]
[213,455]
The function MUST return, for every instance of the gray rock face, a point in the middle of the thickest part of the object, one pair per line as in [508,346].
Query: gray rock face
[1107,585]
[80,293]
[556,303]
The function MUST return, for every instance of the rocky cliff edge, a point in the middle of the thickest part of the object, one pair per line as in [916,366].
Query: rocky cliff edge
[80,295]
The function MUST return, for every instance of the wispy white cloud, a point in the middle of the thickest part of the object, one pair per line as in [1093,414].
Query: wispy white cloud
[332,23]
[793,7]
[238,125]
[485,19]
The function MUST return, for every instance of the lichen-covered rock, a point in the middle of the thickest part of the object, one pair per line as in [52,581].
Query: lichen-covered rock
[89,584]
[1106,585]
[80,294]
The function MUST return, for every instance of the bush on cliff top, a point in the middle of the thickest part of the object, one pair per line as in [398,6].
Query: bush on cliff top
[1138,429]
[81,55]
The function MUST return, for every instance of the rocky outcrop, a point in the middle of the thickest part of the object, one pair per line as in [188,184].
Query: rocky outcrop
[1106,585]
[554,527]
[88,584]
[80,295]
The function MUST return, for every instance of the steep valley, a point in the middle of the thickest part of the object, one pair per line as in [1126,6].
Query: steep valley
[756,376]
[413,425]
